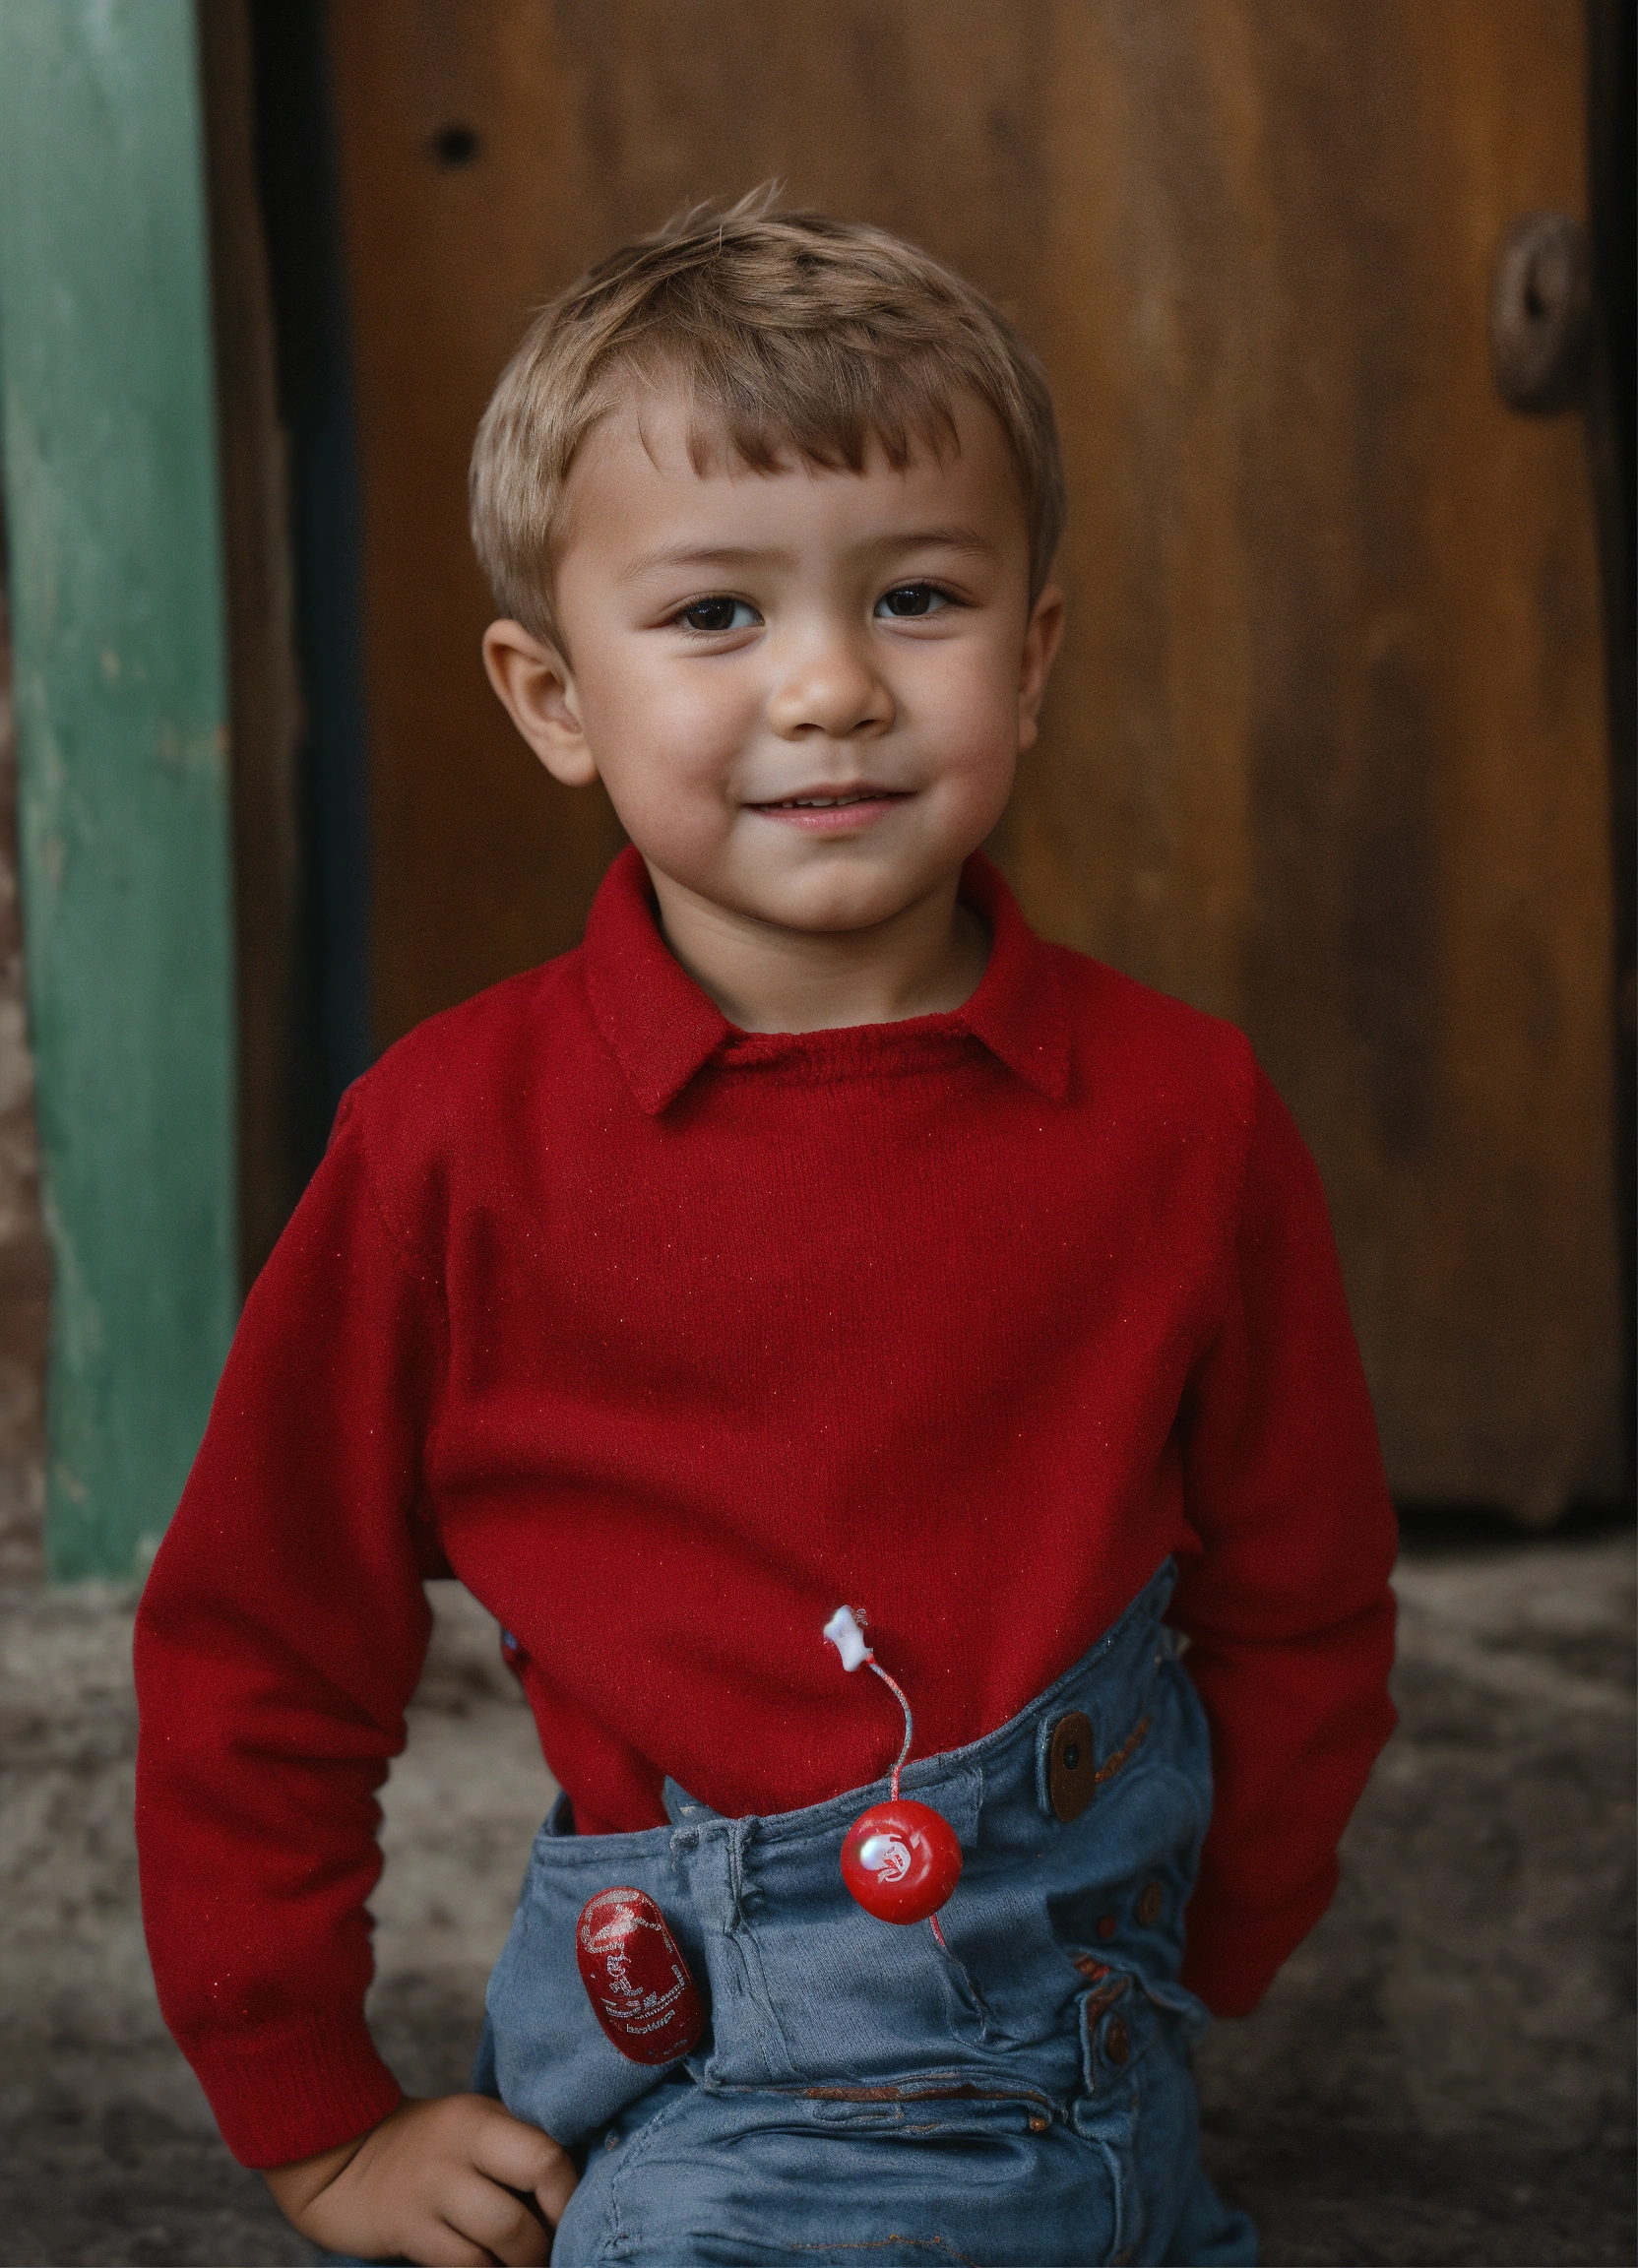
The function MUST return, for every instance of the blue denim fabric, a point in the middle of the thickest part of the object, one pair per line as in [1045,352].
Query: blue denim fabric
[1024,2095]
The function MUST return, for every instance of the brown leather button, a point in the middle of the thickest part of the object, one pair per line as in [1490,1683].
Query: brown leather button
[1151,1905]
[1107,1925]
[1117,2040]
[1071,1772]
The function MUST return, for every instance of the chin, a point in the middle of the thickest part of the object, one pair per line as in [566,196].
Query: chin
[857,905]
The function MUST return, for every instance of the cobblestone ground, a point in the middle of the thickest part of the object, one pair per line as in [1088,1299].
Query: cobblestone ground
[1443,2074]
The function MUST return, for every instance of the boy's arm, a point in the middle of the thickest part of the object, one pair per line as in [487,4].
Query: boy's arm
[1288,1609]
[280,1637]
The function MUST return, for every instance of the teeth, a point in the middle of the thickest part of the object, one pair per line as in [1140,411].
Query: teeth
[819,802]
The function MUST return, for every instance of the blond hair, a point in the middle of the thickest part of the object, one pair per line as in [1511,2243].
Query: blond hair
[792,332]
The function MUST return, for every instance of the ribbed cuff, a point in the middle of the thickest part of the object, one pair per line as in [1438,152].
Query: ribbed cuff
[1232,1954]
[281,2096]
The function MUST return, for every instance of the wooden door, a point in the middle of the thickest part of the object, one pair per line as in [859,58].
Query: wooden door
[1326,752]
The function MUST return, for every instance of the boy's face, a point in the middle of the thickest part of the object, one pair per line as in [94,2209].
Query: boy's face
[805,691]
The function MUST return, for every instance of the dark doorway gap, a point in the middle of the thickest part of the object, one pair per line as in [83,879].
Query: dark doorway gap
[296,176]
[1613,433]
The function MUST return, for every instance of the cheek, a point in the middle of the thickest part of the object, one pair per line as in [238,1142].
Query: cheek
[687,723]
[971,713]
[665,742]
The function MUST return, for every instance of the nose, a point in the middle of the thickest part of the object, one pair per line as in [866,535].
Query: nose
[830,687]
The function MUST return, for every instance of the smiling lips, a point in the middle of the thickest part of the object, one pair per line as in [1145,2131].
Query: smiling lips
[846,811]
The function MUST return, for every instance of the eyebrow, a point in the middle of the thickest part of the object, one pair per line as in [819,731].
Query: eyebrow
[727,556]
[968,540]
[699,556]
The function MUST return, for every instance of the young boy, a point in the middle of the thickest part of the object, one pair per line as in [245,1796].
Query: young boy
[813,1235]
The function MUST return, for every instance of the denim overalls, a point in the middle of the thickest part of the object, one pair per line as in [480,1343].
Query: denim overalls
[1020,2095]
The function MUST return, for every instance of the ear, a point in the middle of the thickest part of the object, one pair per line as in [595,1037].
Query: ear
[536,689]
[1042,637]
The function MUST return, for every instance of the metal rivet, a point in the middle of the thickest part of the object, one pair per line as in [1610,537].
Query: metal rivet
[1150,1905]
[1039,2126]
[1117,2040]
[1542,313]
[1071,1774]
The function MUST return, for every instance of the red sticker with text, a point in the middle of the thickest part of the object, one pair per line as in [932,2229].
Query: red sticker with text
[636,1979]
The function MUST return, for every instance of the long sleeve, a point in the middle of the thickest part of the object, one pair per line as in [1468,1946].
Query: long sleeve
[1288,1609]
[280,1638]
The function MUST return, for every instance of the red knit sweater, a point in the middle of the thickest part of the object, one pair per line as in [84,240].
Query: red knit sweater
[666,1337]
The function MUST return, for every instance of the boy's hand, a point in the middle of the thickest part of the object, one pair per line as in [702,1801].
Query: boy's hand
[436,2183]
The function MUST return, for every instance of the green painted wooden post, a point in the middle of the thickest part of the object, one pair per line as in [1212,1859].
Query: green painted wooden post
[111,500]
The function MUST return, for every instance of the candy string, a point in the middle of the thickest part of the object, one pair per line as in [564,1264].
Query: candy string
[909,1721]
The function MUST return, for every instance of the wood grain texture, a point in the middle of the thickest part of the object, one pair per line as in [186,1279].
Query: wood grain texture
[1326,750]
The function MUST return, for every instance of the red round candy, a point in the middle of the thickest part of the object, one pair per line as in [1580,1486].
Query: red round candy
[900,1861]
[635,1978]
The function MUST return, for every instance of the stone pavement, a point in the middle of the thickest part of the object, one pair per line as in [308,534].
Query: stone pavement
[1443,2074]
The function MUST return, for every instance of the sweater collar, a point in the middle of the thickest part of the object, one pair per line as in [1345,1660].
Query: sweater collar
[662,1029]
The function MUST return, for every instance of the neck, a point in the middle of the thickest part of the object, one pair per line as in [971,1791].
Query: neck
[923,960]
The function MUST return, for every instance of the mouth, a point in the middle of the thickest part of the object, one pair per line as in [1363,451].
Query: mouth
[838,800]
[830,800]
[827,812]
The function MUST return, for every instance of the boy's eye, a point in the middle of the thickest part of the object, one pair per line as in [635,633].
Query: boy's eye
[905,601]
[710,615]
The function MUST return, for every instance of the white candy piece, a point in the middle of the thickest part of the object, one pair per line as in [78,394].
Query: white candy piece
[847,1638]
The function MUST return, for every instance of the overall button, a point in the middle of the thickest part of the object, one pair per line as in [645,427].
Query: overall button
[1151,1905]
[1071,1772]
